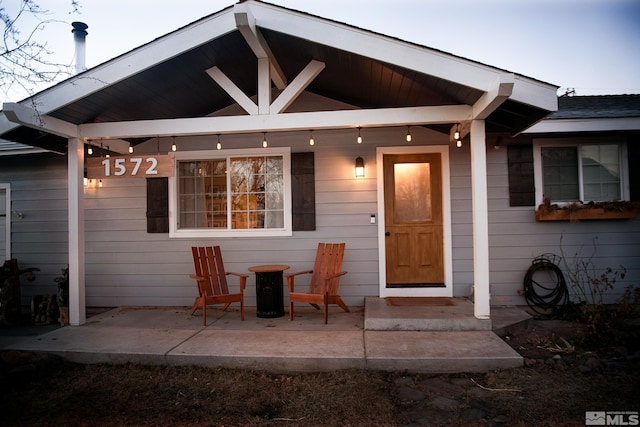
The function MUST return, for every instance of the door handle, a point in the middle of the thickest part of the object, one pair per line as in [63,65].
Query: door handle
[387,234]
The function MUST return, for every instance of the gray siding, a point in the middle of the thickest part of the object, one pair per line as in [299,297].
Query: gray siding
[40,237]
[127,266]
[516,238]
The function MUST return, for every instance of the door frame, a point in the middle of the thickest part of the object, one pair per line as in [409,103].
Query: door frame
[447,291]
[7,190]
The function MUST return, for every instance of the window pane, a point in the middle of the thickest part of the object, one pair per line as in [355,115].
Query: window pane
[412,190]
[600,172]
[560,173]
[202,194]
[257,192]
[256,198]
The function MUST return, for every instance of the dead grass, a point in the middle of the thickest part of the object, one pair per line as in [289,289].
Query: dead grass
[45,391]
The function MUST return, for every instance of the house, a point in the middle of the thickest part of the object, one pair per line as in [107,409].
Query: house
[246,127]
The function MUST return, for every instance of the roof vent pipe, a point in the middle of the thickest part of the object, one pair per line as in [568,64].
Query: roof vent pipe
[79,35]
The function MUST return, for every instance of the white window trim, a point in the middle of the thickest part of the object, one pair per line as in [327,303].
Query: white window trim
[577,142]
[174,232]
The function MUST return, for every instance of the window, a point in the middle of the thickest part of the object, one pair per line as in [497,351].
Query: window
[587,170]
[231,193]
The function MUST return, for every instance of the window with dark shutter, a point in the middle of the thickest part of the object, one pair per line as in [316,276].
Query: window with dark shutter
[521,180]
[157,205]
[303,193]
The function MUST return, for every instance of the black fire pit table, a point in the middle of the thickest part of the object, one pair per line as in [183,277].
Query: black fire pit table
[269,292]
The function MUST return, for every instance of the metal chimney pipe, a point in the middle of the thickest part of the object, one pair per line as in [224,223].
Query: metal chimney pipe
[79,35]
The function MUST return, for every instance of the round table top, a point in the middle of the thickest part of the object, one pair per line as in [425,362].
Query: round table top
[269,268]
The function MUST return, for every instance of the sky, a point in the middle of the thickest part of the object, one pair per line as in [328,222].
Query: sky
[591,46]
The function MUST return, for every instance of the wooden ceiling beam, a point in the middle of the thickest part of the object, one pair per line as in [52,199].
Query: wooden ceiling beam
[246,23]
[382,117]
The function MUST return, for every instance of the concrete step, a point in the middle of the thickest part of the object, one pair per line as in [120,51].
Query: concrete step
[422,314]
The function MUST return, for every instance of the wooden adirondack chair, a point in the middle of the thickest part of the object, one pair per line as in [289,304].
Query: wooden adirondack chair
[212,281]
[325,279]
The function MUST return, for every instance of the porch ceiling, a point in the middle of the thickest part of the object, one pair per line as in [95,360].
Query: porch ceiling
[180,87]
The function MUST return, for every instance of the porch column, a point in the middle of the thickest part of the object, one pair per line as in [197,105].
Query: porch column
[75,170]
[480,215]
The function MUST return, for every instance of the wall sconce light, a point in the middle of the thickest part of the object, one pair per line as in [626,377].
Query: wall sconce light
[311,140]
[219,144]
[359,167]
[408,133]
[174,147]
[264,140]
[359,139]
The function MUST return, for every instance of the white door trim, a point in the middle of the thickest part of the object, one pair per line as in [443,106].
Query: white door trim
[447,291]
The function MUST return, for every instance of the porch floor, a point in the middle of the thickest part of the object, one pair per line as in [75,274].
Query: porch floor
[400,335]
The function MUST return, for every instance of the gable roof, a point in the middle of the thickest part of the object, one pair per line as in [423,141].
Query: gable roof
[603,106]
[167,78]
[598,113]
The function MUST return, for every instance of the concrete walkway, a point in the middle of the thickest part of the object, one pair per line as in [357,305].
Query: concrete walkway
[171,336]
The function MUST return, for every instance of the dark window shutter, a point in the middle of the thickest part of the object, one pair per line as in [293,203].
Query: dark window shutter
[157,205]
[521,182]
[303,191]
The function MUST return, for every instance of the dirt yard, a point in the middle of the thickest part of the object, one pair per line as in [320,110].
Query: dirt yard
[563,377]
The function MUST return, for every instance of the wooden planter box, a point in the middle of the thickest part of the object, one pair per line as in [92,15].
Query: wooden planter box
[584,214]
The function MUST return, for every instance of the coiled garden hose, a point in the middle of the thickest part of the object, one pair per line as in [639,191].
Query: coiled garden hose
[544,296]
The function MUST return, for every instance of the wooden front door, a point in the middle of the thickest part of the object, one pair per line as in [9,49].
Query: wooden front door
[413,220]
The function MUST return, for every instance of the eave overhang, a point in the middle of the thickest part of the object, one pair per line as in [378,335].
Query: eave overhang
[163,87]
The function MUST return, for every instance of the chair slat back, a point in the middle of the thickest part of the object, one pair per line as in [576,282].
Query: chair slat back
[328,262]
[209,265]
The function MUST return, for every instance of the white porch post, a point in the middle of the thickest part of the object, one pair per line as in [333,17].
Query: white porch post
[480,214]
[75,168]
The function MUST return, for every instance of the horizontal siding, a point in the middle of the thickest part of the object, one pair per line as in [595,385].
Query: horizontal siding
[516,238]
[127,266]
[40,237]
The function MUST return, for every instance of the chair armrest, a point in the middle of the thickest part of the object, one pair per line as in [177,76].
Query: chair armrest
[242,277]
[291,278]
[196,277]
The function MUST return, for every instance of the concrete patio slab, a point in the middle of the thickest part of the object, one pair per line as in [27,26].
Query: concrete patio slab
[169,335]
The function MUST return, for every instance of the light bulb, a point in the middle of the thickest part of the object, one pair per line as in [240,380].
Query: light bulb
[131,149]
[458,143]
[90,150]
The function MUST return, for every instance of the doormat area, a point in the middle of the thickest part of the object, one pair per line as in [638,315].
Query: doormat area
[419,301]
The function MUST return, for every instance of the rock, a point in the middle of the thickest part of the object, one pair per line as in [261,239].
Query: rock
[444,403]
[410,394]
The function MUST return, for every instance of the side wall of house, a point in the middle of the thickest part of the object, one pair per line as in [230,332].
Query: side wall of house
[516,238]
[38,217]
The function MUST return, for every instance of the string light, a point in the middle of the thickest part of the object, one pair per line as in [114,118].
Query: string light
[264,140]
[408,134]
[359,139]
[174,147]
[90,150]
[311,140]
[219,144]
[130,148]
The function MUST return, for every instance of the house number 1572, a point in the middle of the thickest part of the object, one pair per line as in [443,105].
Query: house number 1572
[130,166]
[145,166]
